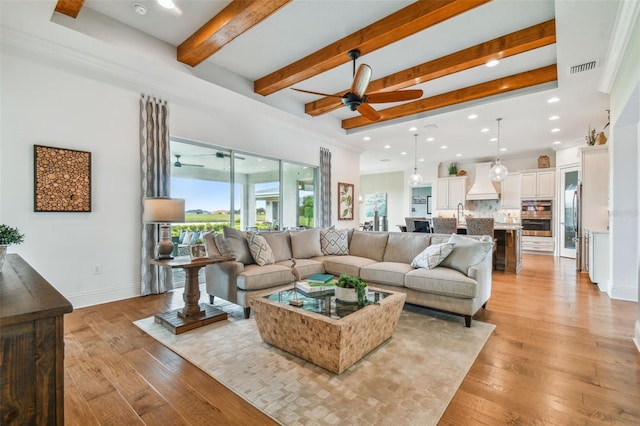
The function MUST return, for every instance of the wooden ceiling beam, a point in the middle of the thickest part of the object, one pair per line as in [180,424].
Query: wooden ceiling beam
[69,7]
[238,17]
[527,39]
[405,22]
[490,88]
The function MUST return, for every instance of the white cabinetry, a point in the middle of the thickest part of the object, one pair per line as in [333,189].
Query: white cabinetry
[538,244]
[451,191]
[594,176]
[538,184]
[598,258]
[511,192]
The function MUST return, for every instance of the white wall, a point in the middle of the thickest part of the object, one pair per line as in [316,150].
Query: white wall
[89,100]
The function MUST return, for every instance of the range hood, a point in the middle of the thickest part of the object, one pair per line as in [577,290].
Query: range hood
[482,188]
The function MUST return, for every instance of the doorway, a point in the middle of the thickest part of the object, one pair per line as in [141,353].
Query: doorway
[569,179]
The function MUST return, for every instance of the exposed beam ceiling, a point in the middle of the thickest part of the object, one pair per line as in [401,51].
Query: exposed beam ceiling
[483,90]
[232,21]
[69,7]
[530,38]
[405,22]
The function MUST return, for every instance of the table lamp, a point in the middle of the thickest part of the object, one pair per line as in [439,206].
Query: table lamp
[163,211]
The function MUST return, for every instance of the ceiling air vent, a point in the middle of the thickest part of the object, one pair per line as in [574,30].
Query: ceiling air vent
[587,66]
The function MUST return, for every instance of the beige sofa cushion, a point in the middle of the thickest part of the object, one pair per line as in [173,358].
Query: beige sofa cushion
[280,243]
[368,244]
[306,244]
[305,267]
[237,245]
[467,252]
[351,265]
[404,246]
[210,244]
[389,273]
[256,277]
[444,281]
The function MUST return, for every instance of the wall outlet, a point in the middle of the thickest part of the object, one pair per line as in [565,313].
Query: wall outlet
[97,269]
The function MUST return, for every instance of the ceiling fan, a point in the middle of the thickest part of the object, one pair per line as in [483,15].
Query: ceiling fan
[356,98]
[220,154]
[180,164]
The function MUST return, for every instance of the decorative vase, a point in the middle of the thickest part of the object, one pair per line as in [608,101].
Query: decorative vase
[3,254]
[348,295]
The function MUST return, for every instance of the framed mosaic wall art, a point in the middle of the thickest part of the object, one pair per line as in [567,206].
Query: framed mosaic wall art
[62,180]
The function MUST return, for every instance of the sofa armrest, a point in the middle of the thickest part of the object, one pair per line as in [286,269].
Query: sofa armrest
[481,272]
[221,279]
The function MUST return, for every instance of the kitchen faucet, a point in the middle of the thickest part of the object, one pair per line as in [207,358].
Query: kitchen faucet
[460,208]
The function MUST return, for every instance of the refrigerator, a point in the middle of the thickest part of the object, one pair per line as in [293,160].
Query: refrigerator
[577,225]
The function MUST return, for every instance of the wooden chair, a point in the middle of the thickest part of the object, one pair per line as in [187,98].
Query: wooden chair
[445,225]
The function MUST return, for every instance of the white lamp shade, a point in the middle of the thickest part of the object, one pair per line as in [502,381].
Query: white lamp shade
[163,210]
[415,179]
[498,172]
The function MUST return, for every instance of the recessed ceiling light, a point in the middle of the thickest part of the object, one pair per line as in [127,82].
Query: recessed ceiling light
[384,159]
[484,130]
[367,138]
[140,9]
[557,142]
[403,153]
[167,4]
[492,63]
[473,116]
[458,155]
[555,130]
[493,139]
[553,100]
[430,139]
[387,146]
[443,147]
[422,159]
[503,149]
[413,129]
[554,117]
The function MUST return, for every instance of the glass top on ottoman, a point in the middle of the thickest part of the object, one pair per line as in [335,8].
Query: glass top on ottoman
[324,303]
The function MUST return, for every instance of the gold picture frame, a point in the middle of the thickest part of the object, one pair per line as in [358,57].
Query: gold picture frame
[62,180]
[197,251]
[345,201]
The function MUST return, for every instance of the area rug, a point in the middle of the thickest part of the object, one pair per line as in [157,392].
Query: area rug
[408,380]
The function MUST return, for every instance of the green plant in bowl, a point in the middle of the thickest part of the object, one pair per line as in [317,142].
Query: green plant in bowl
[9,235]
[348,281]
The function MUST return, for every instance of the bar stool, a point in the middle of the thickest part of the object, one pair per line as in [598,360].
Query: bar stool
[483,226]
[445,225]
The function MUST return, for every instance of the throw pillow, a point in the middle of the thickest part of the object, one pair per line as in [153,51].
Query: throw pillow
[260,250]
[466,253]
[237,244]
[280,243]
[210,244]
[221,245]
[432,256]
[306,244]
[187,238]
[334,241]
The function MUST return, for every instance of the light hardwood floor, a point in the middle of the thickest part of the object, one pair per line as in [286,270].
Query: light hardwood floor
[561,354]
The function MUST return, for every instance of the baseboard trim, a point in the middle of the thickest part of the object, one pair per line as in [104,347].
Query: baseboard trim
[105,295]
[636,339]
[624,293]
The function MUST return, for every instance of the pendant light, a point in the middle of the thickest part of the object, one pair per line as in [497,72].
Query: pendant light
[415,179]
[498,172]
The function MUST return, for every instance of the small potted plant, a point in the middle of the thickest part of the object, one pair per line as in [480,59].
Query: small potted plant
[453,169]
[8,236]
[351,289]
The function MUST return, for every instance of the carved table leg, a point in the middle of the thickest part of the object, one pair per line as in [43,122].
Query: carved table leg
[191,295]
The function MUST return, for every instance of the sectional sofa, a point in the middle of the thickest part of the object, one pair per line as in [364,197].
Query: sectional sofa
[444,272]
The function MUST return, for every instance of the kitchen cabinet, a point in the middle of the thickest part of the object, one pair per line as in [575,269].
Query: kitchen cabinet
[538,244]
[598,253]
[510,196]
[451,191]
[538,184]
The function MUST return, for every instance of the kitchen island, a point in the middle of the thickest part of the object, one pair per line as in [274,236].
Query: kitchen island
[508,255]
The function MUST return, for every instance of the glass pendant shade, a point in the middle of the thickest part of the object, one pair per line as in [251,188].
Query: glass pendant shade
[415,179]
[498,172]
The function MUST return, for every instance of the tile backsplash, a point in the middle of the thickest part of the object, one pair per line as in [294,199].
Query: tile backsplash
[485,208]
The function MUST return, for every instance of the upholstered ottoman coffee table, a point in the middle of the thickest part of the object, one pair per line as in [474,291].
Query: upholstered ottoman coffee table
[328,333]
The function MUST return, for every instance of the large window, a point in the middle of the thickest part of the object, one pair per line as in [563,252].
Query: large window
[268,194]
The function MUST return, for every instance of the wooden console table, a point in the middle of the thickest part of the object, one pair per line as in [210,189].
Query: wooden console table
[31,346]
[193,314]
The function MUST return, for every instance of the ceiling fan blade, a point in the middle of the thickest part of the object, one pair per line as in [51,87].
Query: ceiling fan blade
[367,111]
[361,80]
[317,93]
[397,96]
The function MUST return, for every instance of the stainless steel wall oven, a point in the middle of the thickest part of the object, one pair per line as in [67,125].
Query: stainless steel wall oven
[537,218]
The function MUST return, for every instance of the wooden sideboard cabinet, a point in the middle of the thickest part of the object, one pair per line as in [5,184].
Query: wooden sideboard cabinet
[31,347]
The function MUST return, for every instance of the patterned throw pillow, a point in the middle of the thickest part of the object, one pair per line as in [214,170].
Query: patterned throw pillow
[334,241]
[260,249]
[432,256]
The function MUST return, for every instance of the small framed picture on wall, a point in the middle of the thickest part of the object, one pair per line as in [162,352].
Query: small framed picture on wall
[345,201]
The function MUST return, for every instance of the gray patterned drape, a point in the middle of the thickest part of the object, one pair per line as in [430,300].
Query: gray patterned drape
[155,164]
[325,188]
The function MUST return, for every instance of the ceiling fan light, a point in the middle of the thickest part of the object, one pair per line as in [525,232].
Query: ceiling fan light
[498,172]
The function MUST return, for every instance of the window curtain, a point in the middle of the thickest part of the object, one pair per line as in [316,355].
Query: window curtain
[325,187]
[155,165]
